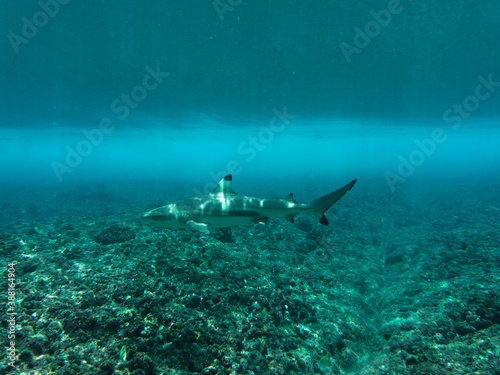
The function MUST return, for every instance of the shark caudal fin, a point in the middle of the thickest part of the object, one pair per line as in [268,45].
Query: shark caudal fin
[320,205]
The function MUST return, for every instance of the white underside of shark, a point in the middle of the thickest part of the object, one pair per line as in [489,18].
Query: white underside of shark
[224,208]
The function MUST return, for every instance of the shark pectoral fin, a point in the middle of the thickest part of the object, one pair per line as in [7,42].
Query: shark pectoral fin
[260,220]
[200,227]
[290,218]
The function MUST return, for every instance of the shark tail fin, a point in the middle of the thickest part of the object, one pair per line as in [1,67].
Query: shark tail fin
[321,205]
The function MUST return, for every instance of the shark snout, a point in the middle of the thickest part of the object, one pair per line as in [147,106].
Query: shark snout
[152,215]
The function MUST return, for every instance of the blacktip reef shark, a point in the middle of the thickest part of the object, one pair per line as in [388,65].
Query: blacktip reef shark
[224,208]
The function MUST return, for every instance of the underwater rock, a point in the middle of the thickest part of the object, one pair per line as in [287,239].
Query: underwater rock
[114,234]
[32,209]
[224,235]
[8,244]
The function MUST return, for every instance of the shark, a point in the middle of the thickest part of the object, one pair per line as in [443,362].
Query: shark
[224,208]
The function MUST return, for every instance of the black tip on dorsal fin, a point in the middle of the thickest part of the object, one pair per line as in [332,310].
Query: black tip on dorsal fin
[224,186]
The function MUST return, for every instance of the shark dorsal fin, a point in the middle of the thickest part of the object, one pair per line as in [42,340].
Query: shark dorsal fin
[225,186]
[289,198]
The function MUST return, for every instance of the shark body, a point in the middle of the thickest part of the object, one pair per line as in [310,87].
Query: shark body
[224,208]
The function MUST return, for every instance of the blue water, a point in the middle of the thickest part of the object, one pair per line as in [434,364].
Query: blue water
[298,152]
[109,109]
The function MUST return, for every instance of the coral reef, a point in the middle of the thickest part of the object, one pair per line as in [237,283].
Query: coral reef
[388,288]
